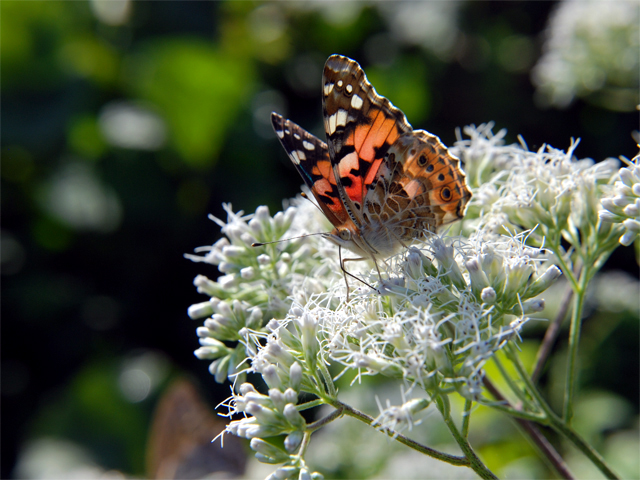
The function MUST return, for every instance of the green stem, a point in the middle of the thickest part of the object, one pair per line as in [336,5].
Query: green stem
[345,409]
[530,429]
[307,405]
[466,416]
[558,424]
[442,402]
[312,427]
[551,335]
[328,381]
[512,385]
[522,373]
[574,340]
[566,269]
[532,417]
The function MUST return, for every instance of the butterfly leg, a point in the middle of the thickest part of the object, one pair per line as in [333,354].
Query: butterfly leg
[345,273]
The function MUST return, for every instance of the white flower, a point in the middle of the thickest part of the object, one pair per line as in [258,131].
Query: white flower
[622,205]
[396,418]
[591,46]
[548,188]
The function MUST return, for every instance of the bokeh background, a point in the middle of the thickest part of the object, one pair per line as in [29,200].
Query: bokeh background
[125,123]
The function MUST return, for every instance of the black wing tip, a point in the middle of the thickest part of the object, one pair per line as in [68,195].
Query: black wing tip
[277,120]
[339,60]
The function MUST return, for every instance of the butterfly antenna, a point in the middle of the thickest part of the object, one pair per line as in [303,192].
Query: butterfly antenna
[260,244]
[304,195]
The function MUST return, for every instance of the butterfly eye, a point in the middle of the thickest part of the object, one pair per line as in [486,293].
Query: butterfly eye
[344,234]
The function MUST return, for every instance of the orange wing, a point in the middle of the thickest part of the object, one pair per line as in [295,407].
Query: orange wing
[310,156]
[360,126]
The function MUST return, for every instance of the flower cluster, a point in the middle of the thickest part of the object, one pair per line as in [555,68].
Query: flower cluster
[548,191]
[272,415]
[263,275]
[453,308]
[439,312]
[591,47]
[622,205]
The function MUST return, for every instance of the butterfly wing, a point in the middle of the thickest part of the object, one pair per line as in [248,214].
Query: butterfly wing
[180,440]
[310,156]
[419,187]
[395,182]
[360,125]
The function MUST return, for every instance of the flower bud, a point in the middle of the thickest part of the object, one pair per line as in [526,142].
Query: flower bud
[628,238]
[627,177]
[477,277]
[295,376]
[278,221]
[248,273]
[277,397]
[632,210]
[446,262]
[270,376]
[271,452]
[488,295]
[413,263]
[632,225]
[291,396]
[200,310]
[248,239]
[264,415]
[208,287]
[209,353]
[293,416]
[262,214]
[228,281]
[304,474]
[533,305]
[293,441]
[233,251]
[607,216]
[264,259]
[219,368]
[544,281]
[284,473]
[247,388]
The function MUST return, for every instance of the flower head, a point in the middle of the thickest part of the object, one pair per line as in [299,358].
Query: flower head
[622,205]
[591,47]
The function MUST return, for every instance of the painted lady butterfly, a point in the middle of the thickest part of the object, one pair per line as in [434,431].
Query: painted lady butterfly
[378,181]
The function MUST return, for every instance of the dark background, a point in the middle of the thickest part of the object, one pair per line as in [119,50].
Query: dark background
[87,295]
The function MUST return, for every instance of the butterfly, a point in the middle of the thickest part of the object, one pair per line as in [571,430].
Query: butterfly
[379,182]
[180,439]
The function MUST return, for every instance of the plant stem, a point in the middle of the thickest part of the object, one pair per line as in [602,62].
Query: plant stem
[515,412]
[551,335]
[559,426]
[574,339]
[344,409]
[442,402]
[312,427]
[512,385]
[546,449]
[557,423]
[566,269]
[466,416]
[328,381]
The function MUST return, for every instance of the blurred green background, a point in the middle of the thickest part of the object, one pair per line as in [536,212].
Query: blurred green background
[125,123]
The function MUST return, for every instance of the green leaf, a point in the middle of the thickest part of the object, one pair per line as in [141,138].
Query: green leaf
[198,89]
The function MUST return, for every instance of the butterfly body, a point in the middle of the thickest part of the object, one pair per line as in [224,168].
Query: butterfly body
[378,181]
